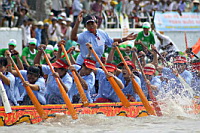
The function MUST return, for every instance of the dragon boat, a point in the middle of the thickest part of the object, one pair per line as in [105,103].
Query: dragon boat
[28,113]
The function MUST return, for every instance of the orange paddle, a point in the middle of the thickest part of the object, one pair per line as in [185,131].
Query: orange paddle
[62,91]
[112,81]
[137,87]
[153,98]
[30,93]
[76,79]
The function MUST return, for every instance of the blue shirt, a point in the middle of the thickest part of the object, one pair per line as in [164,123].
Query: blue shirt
[38,33]
[129,88]
[98,44]
[154,81]
[10,89]
[90,80]
[51,84]
[39,94]
[105,88]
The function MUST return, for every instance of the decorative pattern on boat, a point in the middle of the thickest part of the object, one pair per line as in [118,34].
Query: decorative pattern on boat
[29,114]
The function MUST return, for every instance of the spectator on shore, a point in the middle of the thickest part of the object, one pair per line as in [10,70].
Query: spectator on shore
[38,32]
[33,28]
[56,6]
[52,32]
[8,12]
[49,19]
[195,7]
[44,35]
[69,29]
[96,10]
[21,14]
[68,7]
[77,7]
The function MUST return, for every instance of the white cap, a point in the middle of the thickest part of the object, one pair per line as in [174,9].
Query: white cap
[63,14]
[49,47]
[32,41]
[12,42]
[64,22]
[195,1]
[40,23]
[146,25]
[69,19]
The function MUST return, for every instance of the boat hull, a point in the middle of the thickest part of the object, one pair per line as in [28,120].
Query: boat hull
[29,114]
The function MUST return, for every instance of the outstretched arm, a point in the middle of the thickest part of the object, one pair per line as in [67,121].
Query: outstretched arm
[75,28]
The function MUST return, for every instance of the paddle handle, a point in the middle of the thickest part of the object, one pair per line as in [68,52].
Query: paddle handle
[112,81]
[30,93]
[62,91]
[153,98]
[137,87]
[76,80]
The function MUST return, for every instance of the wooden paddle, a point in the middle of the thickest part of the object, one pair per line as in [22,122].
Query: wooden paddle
[137,87]
[62,91]
[153,98]
[76,79]
[30,93]
[112,81]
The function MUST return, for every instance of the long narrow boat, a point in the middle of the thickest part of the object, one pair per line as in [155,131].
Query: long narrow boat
[28,114]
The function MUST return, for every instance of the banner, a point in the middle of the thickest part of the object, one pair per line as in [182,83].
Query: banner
[172,21]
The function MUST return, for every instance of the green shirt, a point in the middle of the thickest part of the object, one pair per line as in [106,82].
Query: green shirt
[116,57]
[29,55]
[146,40]
[2,54]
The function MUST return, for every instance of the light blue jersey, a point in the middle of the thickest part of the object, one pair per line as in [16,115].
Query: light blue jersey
[10,89]
[90,80]
[154,81]
[128,90]
[98,44]
[39,94]
[105,88]
[53,94]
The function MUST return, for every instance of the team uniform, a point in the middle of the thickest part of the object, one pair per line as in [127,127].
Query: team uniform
[90,80]
[105,89]
[53,95]
[29,55]
[146,40]
[10,89]
[128,90]
[22,95]
[98,44]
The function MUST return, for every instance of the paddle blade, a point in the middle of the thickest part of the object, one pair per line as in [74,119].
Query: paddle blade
[36,103]
[67,100]
[143,98]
